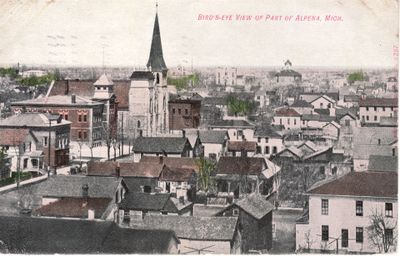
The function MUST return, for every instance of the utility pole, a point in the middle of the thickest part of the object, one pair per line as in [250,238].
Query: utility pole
[49,150]
[122,132]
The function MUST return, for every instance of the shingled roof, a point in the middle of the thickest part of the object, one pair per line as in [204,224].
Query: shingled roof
[286,112]
[266,130]
[241,165]
[213,137]
[174,145]
[195,228]
[249,146]
[156,60]
[173,162]
[97,168]
[31,120]
[141,169]
[371,184]
[71,186]
[65,236]
[13,137]
[382,163]
[379,102]
[255,205]
[177,174]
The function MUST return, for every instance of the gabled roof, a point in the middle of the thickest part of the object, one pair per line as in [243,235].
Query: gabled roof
[31,236]
[288,72]
[325,97]
[57,100]
[332,123]
[104,80]
[308,144]
[71,186]
[379,102]
[382,163]
[177,174]
[141,169]
[213,136]
[195,228]
[285,111]
[301,104]
[97,168]
[319,152]
[249,146]
[156,60]
[27,120]
[173,145]
[173,162]
[74,207]
[255,205]
[265,130]
[241,165]
[152,202]
[371,184]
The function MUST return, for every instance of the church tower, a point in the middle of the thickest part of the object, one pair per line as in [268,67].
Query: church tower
[148,93]
[156,65]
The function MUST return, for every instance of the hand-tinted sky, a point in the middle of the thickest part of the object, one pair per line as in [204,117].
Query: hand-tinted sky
[73,32]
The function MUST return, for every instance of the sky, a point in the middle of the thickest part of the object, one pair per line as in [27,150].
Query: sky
[118,32]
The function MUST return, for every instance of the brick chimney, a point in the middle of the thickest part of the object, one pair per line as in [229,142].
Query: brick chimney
[118,170]
[73,98]
[85,194]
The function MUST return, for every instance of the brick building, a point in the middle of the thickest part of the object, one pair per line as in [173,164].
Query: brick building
[184,113]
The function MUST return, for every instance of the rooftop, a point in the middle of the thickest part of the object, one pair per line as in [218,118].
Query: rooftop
[104,80]
[173,162]
[231,124]
[213,137]
[379,102]
[13,137]
[174,145]
[255,205]
[57,100]
[382,163]
[285,111]
[371,184]
[242,145]
[241,165]
[31,120]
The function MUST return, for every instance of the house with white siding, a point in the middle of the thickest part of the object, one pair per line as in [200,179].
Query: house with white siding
[373,109]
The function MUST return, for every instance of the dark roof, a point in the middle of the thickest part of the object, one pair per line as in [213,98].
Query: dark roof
[266,131]
[156,60]
[195,228]
[29,235]
[392,79]
[141,169]
[316,117]
[71,186]
[242,145]
[162,202]
[332,95]
[142,75]
[240,165]
[351,98]
[301,104]
[388,121]
[160,145]
[255,205]
[286,112]
[177,174]
[321,111]
[213,137]
[97,168]
[382,163]
[379,102]
[231,123]
[13,137]
[173,162]
[75,207]
[288,72]
[374,184]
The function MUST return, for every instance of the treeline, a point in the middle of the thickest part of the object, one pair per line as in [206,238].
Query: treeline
[12,73]
[184,82]
[240,107]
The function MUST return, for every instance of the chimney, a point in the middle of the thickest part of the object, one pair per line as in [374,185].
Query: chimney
[161,158]
[183,133]
[182,200]
[73,98]
[243,152]
[91,214]
[118,170]
[67,88]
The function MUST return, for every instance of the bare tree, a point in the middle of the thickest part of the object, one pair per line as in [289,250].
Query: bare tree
[382,230]
[107,137]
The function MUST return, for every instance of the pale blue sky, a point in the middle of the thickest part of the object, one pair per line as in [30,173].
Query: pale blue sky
[72,32]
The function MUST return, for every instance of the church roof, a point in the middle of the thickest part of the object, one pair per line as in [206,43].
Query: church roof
[156,59]
[104,80]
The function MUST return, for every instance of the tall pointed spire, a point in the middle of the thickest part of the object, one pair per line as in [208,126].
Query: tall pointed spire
[156,59]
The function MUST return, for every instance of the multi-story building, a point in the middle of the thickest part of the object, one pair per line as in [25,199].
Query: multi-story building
[288,118]
[373,109]
[29,136]
[85,115]
[356,213]
[226,76]
[287,75]
[184,113]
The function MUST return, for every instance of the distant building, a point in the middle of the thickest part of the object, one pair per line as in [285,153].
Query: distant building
[27,136]
[392,84]
[214,143]
[287,117]
[288,76]
[29,73]
[341,212]
[269,140]
[373,109]
[226,76]
[184,113]
[238,130]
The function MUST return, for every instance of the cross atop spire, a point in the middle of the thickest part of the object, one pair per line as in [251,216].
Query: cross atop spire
[156,6]
[156,60]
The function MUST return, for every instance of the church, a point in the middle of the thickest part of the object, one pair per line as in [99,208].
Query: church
[148,93]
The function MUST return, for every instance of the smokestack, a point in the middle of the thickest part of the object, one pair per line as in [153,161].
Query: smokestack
[118,170]
[67,88]
[182,200]
[183,133]
[85,194]
[161,158]
[73,98]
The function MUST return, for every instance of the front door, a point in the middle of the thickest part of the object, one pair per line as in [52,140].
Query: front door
[345,238]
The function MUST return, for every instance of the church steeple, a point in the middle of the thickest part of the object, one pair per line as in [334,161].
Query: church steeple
[156,60]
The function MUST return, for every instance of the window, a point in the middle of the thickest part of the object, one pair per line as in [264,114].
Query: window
[138,124]
[274,150]
[173,111]
[266,140]
[345,238]
[359,208]
[288,121]
[391,108]
[367,118]
[334,170]
[321,105]
[66,116]
[374,108]
[186,111]
[389,235]
[79,118]
[367,108]
[267,150]
[359,235]
[379,141]
[280,121]
[85,135]
[388,209]
[347,122]
[258,139]
[235,212]
[393,151]
[383,109]
[179,111]
[240,133]
[375,118]
[325,233]
[258,150]
[294,121]
[324,206]
[322,170]
[80,135]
